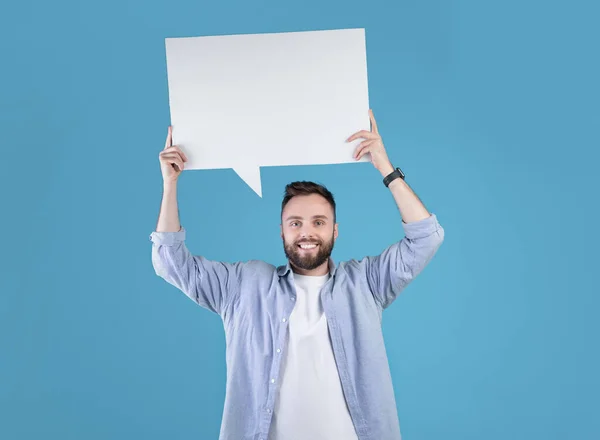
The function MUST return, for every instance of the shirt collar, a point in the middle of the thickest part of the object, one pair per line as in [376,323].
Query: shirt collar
[285,269]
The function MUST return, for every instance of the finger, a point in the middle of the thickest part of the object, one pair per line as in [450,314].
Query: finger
[363,151]
[169,140]
[373,123]
[176,149]
[361,146]
[180,151]
[173,158]
[363,134]
[177,164]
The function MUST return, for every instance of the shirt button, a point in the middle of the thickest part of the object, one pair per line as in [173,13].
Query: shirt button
[279,350]
[269,411]
[293,298]
[283,319]
[272,380]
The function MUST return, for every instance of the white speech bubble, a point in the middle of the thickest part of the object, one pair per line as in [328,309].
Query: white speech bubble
[247,101]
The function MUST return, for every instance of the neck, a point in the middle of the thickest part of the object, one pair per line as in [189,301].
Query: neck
[323,269]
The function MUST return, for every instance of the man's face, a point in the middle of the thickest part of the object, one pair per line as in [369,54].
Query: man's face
[308,221]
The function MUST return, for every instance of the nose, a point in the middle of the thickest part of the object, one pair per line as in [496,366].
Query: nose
[306,232]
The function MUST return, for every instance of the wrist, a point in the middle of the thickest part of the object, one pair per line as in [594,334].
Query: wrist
[387,169]
[170,186]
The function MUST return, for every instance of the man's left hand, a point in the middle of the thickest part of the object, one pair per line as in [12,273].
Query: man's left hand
[372,144]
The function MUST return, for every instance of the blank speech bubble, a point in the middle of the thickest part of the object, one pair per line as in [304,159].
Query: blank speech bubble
[248,101]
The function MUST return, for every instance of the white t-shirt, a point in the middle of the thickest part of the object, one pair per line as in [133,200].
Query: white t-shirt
[310,404]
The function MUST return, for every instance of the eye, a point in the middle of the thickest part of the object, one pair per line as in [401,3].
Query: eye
[320,222]
[293,223]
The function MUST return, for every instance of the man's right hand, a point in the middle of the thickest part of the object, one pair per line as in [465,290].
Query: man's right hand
[171,160]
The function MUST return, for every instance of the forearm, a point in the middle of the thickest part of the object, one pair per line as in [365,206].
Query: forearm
[411,208]
[168,218]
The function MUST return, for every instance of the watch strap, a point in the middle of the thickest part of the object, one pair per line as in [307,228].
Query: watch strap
[397,173]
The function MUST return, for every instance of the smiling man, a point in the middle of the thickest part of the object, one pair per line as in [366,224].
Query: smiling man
[305,352]
[308,227]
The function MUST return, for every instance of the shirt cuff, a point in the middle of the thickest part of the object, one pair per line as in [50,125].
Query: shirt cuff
[421,228]
[168,238]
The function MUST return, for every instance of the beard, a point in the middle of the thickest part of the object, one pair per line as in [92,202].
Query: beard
[308,260]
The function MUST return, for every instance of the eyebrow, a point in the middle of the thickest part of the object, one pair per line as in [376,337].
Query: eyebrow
[297,217]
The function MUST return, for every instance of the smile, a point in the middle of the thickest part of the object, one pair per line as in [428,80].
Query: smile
[307,246]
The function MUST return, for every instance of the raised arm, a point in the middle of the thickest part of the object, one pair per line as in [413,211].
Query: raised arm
[389,272]
[211,284]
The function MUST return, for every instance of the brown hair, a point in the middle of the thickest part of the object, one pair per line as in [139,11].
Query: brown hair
[304,188]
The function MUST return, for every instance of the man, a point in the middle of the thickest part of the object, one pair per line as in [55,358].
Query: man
[305,352]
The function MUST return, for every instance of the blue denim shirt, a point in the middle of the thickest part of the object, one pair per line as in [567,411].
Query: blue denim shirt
[255,299]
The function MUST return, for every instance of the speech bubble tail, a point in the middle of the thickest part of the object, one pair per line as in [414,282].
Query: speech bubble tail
[251,175]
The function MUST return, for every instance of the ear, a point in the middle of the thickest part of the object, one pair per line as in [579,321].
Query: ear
[281,230]
[335,232]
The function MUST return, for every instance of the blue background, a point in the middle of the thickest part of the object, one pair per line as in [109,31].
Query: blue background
[490,108]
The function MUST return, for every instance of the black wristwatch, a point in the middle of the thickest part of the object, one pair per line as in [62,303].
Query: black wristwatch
[392,176]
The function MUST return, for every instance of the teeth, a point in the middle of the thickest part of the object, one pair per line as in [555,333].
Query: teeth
[308,246]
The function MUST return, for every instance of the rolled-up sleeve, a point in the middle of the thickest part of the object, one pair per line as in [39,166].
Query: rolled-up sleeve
[211,284]
[391,271]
